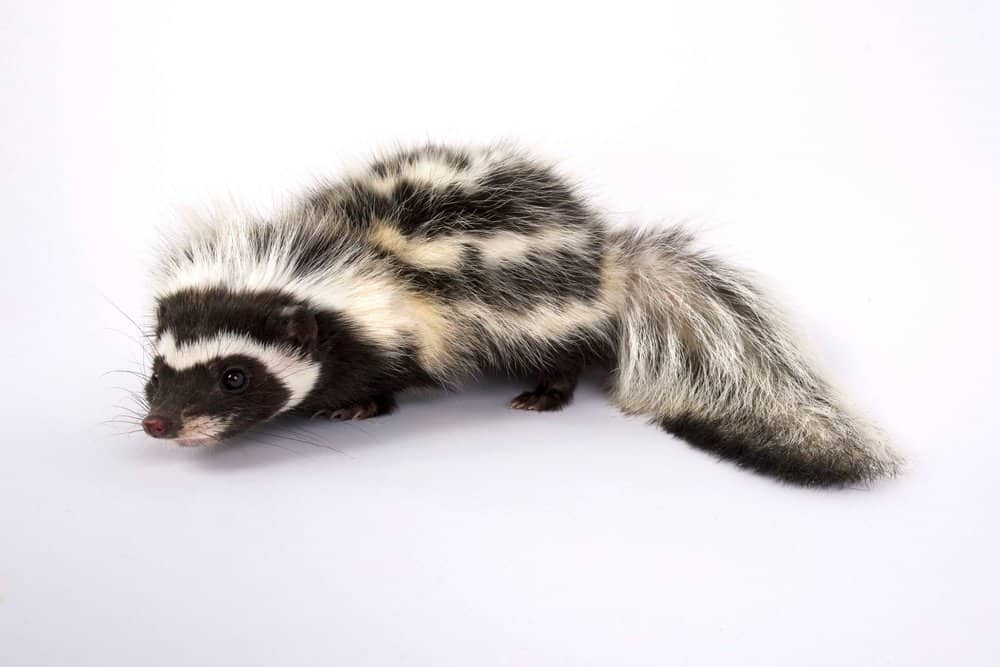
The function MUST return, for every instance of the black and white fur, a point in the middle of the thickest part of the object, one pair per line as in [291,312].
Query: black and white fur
[437,264]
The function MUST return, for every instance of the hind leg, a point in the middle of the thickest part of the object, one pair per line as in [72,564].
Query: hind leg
[554,392]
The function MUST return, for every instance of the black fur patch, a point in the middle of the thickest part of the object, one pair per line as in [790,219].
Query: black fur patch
[516,195]
[192,314]
[354,370]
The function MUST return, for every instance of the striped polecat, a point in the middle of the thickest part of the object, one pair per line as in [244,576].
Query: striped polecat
[437,264]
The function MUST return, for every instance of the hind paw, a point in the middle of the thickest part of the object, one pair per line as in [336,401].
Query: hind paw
[541,400]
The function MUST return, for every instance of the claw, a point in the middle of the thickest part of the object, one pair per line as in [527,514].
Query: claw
[350,412]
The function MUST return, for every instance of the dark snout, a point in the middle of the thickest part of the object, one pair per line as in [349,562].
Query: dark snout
[159,427]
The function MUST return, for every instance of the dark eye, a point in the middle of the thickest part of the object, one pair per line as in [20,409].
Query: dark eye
[155,378]
[234,379]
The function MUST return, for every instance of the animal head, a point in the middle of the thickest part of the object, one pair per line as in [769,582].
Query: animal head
[227,361]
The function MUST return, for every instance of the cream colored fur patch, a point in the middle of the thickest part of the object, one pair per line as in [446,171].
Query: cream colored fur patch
[434,254]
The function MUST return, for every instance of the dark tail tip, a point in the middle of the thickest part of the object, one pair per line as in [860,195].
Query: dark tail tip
[761,450]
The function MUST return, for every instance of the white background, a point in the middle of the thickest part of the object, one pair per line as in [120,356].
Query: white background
[848,151]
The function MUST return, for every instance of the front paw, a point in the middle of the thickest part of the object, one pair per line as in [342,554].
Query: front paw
[371,407]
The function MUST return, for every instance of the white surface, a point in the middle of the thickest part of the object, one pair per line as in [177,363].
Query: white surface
[849,153]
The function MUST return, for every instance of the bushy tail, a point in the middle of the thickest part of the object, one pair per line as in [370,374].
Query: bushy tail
[703,351]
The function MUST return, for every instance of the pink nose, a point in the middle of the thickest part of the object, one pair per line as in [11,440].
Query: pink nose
[156,426]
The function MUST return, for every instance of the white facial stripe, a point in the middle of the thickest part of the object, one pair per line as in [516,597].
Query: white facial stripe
[297,374]
[202,430]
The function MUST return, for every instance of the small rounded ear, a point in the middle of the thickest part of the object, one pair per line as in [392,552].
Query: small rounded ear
[295,325]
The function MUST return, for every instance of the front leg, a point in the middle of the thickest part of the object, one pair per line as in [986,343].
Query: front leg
[365,408]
